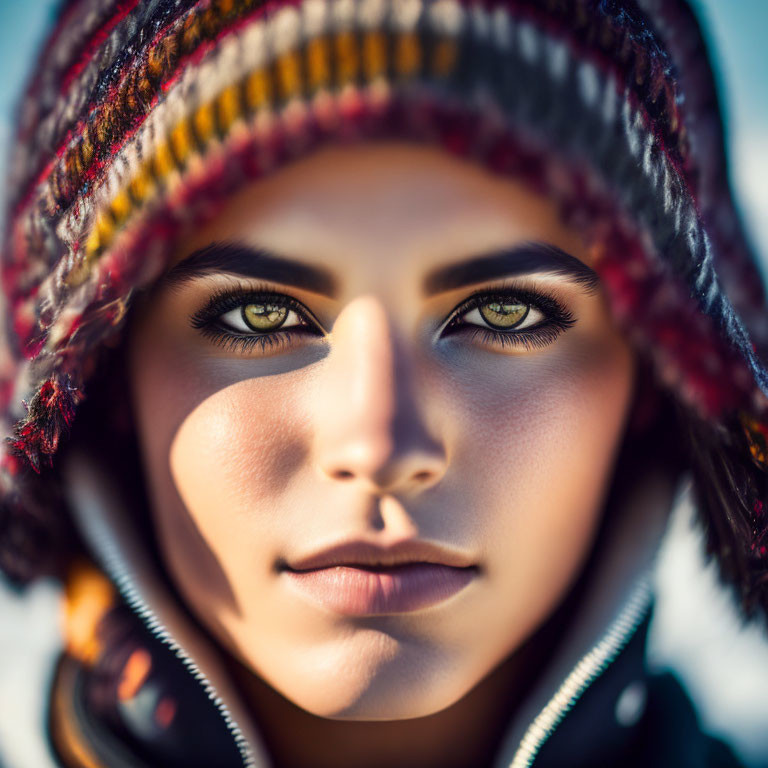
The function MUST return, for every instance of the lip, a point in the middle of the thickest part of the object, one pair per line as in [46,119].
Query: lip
[358,591]
[361,578]
[372,554]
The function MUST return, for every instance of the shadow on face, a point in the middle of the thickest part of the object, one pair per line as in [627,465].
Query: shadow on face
[378,344]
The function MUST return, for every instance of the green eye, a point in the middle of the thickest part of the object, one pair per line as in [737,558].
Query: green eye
[502,315]
[514,318]
[264,317]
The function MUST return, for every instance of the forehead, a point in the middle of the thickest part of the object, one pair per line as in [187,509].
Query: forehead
[395,209]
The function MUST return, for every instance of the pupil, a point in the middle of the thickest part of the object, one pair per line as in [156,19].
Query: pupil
[264,316]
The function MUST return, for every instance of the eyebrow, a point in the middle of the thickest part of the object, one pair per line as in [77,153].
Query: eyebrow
[525,259]
[245,261]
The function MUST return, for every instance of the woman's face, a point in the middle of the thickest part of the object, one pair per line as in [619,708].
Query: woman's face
[378,344]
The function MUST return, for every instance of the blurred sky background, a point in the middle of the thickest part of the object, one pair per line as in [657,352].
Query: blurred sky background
[696,630]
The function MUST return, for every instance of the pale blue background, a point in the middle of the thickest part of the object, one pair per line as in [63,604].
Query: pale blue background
[696,631]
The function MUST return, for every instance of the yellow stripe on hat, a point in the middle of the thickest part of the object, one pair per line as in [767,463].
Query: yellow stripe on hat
[375,54]
[318,63]
[347,59]
[228,108]
[444,57]
[288,67]
[163,163]
[141,185]
[204,123]
[182,142]
[121,206]
[258,90]
[254,93]
[407,55]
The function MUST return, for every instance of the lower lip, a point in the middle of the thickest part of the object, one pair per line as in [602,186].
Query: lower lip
[356,591]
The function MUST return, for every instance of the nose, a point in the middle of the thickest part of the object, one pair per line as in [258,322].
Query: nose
[370,427]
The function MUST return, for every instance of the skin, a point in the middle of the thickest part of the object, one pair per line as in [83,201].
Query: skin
[382,429]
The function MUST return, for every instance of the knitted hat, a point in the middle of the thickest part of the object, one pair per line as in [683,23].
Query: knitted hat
[143,115]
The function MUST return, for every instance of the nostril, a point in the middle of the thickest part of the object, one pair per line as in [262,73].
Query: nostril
[421,476]
[342,474]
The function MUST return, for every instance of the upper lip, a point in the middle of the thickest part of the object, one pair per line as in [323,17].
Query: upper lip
[370,554]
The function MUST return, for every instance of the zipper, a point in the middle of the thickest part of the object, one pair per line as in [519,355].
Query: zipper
[586,671]
[121,577]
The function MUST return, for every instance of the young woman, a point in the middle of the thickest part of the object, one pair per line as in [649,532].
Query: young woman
[360,352]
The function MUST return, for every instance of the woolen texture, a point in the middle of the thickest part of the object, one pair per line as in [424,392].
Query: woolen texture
[142,117]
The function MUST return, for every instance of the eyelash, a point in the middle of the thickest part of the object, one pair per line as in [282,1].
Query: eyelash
[224,300]
[557,319]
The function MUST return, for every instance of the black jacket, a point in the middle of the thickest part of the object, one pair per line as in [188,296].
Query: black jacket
[625,717]
[151,689]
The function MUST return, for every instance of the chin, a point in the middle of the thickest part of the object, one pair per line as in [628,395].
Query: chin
[413,681]
[394,703]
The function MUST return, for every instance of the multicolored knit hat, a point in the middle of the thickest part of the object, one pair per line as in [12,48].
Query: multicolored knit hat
[143,115]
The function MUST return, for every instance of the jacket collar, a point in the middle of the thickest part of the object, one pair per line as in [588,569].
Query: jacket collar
[105,526]
[616,601]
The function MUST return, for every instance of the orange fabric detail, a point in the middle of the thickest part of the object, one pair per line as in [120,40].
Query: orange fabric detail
[88,595]
[70,745]
[757,435]
[134,674]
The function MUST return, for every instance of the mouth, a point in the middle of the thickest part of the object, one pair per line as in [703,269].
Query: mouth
[364,579]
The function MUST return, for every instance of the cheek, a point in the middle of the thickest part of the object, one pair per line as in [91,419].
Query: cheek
[231,463]
[225,437]
[557,417]
[239,448]
[219,505]
[536,457]
[219,448]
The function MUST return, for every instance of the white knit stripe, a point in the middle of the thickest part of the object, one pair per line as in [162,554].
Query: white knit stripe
[314,17]
[286,30]
[589,83]
[405,14]
[556,57]
[480,23]
[529,41]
